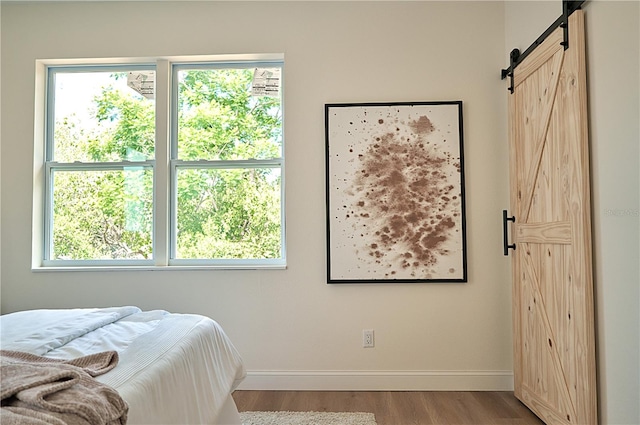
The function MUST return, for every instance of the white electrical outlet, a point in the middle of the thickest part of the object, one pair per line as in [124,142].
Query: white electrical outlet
[367,338]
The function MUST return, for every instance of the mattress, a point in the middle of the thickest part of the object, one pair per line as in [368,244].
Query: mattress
[173,368]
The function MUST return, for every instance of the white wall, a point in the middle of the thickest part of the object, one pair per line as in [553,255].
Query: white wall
[290,326]
[613,52]
[0,163]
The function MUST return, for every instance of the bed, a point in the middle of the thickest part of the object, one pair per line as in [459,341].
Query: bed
[171,368]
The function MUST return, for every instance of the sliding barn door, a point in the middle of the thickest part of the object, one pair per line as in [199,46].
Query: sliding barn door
[554,333]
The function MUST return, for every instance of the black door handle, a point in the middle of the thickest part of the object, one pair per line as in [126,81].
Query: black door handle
[505,234]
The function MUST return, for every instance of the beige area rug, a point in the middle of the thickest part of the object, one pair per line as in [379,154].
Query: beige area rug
[307,418]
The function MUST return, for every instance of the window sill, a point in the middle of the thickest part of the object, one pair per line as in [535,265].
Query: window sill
[151,268]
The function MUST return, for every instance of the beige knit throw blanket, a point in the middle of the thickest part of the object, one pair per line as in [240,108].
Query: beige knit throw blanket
[37,390]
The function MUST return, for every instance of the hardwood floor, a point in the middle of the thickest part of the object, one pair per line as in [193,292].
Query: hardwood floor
[399,407]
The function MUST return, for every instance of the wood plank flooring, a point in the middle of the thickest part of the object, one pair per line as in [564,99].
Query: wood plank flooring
[399,407]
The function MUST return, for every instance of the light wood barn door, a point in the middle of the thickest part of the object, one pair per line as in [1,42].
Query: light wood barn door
[554,334]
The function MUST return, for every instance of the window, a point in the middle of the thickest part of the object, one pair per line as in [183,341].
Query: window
[163,164]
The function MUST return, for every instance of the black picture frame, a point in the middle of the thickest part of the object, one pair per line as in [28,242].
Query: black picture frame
[395,198]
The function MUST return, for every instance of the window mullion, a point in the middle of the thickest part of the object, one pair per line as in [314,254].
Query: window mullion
[162,175]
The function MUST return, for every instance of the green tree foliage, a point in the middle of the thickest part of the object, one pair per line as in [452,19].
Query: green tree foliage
[222,212]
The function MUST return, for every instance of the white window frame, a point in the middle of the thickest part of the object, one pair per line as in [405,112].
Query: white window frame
[164,164]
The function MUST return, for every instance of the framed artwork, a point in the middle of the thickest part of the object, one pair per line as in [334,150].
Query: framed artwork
[395,192]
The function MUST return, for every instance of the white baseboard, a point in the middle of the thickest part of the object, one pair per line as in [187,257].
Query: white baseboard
[375,380]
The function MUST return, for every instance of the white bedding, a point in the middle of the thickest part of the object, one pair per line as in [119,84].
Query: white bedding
[173,369]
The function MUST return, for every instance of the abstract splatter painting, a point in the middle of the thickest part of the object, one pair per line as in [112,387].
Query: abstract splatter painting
[395,192]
